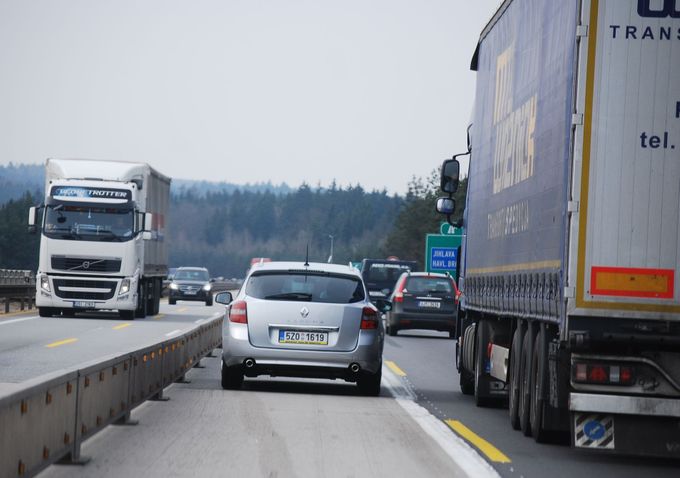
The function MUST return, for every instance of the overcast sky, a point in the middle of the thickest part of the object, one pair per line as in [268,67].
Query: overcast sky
[360,91]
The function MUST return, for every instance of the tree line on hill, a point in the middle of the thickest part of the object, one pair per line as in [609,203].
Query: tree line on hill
[223,230]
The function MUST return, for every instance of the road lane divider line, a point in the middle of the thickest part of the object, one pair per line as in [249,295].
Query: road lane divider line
[122,326]
[158,316]
[61,342]
[182,309]
[12,321]
[468,462]
[395,368]
[174,332]
[491,452]
[199,321]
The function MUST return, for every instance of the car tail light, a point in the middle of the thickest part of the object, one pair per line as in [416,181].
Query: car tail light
[602,374]
[369,318]
[238,312]
[399,292]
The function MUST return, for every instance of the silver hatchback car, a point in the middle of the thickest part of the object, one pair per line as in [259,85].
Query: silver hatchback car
[303,320]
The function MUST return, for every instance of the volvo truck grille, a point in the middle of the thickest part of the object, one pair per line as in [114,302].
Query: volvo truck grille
[84,289]
[89,264]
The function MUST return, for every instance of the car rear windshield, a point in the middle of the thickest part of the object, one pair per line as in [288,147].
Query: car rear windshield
[305,287]
[429,285]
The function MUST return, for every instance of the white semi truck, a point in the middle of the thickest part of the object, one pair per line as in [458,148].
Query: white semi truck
[102,240]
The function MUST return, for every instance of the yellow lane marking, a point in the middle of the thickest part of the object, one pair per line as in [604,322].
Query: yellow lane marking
[183,309]
[61,342]
[493,453]
[395,368]
[159,316]
[122,326]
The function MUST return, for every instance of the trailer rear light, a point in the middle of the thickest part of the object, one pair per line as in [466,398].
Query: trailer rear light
[603,374]
[369,318]
[238,312]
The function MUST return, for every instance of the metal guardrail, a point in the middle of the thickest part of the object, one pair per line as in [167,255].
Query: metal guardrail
[17,286]
[45,420]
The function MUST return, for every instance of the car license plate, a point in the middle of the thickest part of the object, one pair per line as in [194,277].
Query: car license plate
[82,304]
[190,292]
[429,304]
[299,337]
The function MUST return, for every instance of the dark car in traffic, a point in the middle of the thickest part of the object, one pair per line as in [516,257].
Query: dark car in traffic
[424,300]
[191,283]
[380,275]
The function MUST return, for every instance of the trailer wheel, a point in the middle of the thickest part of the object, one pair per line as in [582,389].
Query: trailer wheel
[482,339]
[513,379]
[538,381]
[525,383]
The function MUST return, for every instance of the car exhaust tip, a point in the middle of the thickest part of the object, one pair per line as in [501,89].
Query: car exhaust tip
[249,363]
[355,368]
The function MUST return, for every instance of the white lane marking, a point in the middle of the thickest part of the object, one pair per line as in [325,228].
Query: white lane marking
[472,464]
[5,322]
[199,321]
[174,332]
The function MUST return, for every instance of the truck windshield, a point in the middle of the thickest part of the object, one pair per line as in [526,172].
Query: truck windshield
[88,223]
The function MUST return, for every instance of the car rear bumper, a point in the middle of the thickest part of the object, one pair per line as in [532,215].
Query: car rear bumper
[302,363]
[421,321]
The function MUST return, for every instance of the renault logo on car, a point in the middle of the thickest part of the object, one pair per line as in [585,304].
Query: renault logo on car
[304,312]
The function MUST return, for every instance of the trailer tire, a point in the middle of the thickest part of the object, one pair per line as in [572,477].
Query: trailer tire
[513,380]
[525,384]
[481,341]
[538,380]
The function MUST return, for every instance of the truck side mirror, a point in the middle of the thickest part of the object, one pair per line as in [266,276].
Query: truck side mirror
[32,229]
[450,175]
[446,206]
[148,222]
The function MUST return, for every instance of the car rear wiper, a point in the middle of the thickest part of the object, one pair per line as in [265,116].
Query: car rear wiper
[290,296]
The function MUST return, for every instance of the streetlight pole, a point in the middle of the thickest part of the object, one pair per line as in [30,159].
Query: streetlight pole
[330,257]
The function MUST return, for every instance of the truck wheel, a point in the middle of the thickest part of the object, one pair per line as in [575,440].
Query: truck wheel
[525,383]
[45,311]
[481,339]
[465,379]
[232,377]
[126,314]
[513,379]
[142,300]
[538,380]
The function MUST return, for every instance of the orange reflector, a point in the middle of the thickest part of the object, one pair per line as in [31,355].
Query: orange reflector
[631,282]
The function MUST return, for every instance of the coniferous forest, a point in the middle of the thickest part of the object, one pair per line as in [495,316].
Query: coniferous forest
[223,228]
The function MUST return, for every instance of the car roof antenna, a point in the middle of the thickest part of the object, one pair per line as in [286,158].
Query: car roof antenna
[307,257]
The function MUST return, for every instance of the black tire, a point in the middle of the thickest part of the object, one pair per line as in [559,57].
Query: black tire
[452,333]
[172,301]
[209,302]
[142,300]
[69,313]
[513,379]
[538,380]
[525,384]
[45,311]
[392,330]
[127,314]
[481,341]
[232,377]
[369,383]
[465,379]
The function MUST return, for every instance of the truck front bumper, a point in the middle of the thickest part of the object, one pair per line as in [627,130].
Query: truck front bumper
[647,426]
[85,293]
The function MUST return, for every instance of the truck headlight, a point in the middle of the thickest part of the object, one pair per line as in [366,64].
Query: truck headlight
[174,286]
[124,286]
[45,283]
[207,287]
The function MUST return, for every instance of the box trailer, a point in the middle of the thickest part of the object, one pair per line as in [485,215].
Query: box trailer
[571,256]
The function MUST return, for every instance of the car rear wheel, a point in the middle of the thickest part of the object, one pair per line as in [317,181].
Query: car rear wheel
[369,383]
[172,301]
[209,301]
[232,377]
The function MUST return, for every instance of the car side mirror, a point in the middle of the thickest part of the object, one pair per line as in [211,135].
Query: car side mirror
[450,175]
[383,305]
[224,298]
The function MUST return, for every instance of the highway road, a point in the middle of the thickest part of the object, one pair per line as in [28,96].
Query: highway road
[421,425]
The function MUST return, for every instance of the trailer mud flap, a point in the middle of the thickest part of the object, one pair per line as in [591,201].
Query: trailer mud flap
[627,434]
[594,431]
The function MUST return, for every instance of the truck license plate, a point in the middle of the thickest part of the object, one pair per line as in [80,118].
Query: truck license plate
[307,338]
[83,304]
[429,304]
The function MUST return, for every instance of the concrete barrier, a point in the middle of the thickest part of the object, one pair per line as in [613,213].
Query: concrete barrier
[45,420]
[17,286]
